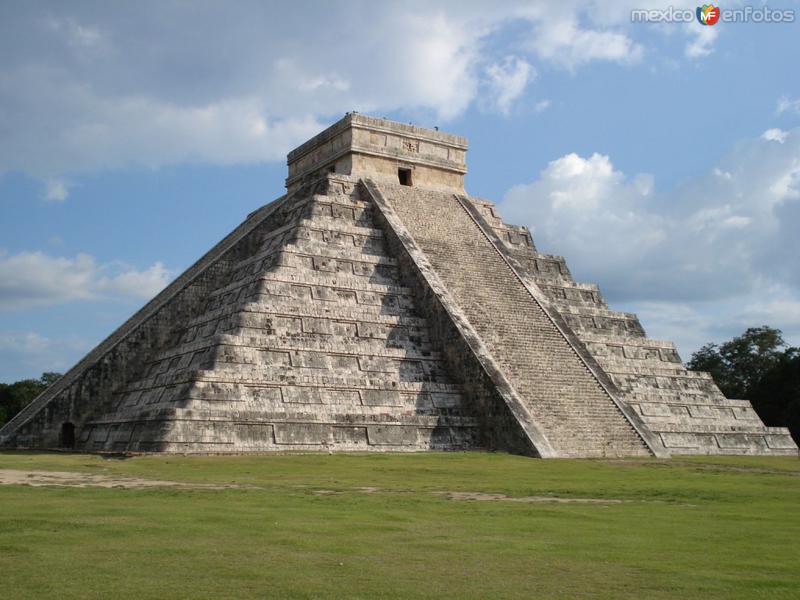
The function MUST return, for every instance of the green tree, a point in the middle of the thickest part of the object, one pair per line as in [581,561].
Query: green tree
[16,396]
[710,360]
[776,398]
[750,357]
[757,366]
[49,378]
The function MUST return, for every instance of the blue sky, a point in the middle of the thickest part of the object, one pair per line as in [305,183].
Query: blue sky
[663,160]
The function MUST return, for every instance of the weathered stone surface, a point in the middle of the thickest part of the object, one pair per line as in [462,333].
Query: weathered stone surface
[356,313]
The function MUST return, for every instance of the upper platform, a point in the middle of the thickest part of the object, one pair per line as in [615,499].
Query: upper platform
[383,150]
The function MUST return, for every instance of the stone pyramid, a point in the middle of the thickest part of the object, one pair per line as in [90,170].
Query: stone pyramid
[378,307]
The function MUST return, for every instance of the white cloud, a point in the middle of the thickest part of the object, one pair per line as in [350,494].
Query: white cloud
[784,310]
[578,204]
[136,284]
[83,89]
[787,185]
[541,105]
[507,81]
[692,324]
[701,41]
[564,42]
[786,104]
[699,263]
[74,33]
[56,190]
[36,279]
[774,135]
[24,342]
[729,233]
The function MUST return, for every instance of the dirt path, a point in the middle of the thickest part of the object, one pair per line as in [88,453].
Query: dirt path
[484,496]
[82,480]
[557,499]
[85,480]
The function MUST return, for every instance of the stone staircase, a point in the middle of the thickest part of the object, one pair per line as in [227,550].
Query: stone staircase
[569,405]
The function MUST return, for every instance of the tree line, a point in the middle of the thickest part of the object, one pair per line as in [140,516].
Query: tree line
[758,366]
[16,396]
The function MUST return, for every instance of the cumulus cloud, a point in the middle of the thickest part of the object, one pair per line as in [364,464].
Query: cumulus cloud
[693,324]
[36,279]
[94,86]
[720,233]
[774,135]
[728,234]
[701,40]
[541,105]
[786,104]
[135,284]
[56,190]
[507,81]
[564,42]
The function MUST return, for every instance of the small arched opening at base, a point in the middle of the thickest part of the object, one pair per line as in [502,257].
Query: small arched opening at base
[68,435]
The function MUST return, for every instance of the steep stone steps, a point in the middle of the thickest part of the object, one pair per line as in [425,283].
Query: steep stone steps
[569,404]
[687,410]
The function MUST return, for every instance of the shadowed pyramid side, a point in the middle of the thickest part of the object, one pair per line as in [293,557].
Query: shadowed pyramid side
[87,389]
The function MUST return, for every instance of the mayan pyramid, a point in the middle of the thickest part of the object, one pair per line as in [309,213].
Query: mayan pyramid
[376,306]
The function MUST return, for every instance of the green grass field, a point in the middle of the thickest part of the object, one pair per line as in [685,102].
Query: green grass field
[302,526]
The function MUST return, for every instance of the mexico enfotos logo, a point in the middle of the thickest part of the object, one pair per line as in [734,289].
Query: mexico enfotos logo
[708,15]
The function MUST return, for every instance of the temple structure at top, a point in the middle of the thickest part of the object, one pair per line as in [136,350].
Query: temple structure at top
[384,150]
